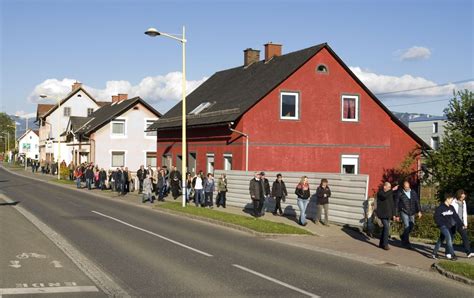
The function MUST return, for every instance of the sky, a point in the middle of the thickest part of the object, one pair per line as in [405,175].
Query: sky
[391,46]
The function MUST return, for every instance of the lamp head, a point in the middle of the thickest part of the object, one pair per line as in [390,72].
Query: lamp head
[152,32]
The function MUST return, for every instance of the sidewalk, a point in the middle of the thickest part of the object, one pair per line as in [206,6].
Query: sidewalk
[336,240]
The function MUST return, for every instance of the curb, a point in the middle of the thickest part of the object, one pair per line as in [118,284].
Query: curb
[162,210]
[452,275]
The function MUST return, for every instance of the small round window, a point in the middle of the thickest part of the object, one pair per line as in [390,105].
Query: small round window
[322,68]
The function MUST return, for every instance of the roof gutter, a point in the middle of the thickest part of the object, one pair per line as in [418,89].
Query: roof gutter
[246,144]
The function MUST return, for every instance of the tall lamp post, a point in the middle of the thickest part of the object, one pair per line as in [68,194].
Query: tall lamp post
[152,32]
[59,133]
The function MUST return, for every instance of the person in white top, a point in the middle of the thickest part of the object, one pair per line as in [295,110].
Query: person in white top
[198,189]
[459,204]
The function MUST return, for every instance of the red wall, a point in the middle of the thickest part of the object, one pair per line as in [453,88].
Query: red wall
[317,140]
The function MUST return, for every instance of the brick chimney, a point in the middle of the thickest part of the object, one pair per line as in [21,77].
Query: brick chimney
[272,50]
[251,56]
[119,97]
[76,85]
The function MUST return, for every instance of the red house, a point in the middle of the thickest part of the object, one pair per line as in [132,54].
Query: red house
[302,111]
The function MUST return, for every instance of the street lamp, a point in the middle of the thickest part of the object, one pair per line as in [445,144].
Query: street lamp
[152,32]
[43,96]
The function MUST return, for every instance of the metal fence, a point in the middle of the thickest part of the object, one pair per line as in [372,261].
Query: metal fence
[346,205]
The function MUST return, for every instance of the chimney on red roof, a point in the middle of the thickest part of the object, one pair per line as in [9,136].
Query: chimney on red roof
[119,97]
[76,85]
[251,56]
[272,50]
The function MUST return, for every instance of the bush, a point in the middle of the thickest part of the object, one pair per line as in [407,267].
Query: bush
[64,172]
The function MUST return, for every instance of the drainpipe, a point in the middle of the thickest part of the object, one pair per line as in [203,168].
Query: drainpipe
[246,145]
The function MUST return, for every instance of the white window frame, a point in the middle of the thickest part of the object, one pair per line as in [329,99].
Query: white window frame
[156,159]
[67,109]
[356,97]
[91,112]
[344,161]
[226,156]
[433,142]
[118,136]
[124,157]
[297,105]
[146,126]
[208,155]
[435,127]
[201,107]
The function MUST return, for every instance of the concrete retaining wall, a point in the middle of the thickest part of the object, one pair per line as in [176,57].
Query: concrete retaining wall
[346,205]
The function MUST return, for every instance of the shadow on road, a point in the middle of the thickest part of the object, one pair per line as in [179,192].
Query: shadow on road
[9,203]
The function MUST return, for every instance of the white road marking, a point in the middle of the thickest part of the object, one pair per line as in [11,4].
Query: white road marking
[26,255]
[15,264]
[22,291]
[276,281]
[56,264]
[154,234]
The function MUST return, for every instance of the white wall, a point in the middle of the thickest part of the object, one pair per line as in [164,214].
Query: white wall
[135,143]
[31,140]
[79,103]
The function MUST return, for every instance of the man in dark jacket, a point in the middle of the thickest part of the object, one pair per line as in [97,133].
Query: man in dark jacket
[175,178]
[102,178]
[408,205]
[266,191]
[141,174]
[89,177]
[385,212]
[279,193]
[256,193]
[445,218]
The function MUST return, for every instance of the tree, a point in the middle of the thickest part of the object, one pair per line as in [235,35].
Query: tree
[7,129]
[451,167]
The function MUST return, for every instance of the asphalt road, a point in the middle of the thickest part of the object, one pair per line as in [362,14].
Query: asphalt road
[150,253]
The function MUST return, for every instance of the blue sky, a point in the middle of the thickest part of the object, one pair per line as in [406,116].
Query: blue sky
[391,45]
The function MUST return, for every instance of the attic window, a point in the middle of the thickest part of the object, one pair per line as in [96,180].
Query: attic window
[200,108]
[322,68]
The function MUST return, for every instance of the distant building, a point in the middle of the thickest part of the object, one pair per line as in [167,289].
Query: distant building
[429,129]
[28,144]
[304,111]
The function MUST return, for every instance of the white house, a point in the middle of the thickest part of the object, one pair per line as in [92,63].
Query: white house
[53,122]
[114,135]
[429,129]
[28,145]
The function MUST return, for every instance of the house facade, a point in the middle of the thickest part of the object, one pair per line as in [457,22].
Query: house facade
[28,145]
[429,129]
[53,120]
[304,111]
[115,135]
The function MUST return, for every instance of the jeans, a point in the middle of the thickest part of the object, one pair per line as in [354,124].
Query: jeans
[302,204]
[140,186]
[445,234]
[278,205]
[199,197]
[209,199]
[78,182]
[263,205]
[188,192]
[465,238]
[319,210]
[221,199]
[89,183]
[385,231]
[408,224]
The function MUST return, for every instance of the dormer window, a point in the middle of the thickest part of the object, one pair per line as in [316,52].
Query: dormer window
[200,108]
[322,68]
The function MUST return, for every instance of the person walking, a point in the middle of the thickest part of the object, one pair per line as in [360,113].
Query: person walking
[459,204]
[147,190]
[141,173]
[408,205]
[189,187]
[222,191]
[266,191]
[160,185]
[119,181]
[209,187]
[89,177]
[446,218]
[102,179]
[78,177]
[303,193]
[323,193]
[385,212]
[198,185]
[256,193]
[279,193]
[125,181]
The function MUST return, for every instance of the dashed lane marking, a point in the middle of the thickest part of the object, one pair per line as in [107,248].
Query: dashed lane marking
[23,291]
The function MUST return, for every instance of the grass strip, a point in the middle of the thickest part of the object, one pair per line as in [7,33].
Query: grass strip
[63,181]
[258,225]
[459,268]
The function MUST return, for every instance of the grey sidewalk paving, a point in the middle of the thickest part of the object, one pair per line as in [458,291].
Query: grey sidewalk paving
[334,239]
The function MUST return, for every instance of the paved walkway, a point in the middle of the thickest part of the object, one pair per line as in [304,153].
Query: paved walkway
[337,240]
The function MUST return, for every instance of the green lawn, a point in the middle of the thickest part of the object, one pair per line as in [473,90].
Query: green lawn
[63,181]
[258,225]
[460,268]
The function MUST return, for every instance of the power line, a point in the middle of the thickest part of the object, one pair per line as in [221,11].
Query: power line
[417,103]
[426,87]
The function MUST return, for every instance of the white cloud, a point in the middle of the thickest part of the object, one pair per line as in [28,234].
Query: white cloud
[23,114]
[414,53]
[379,83]
[162,91]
